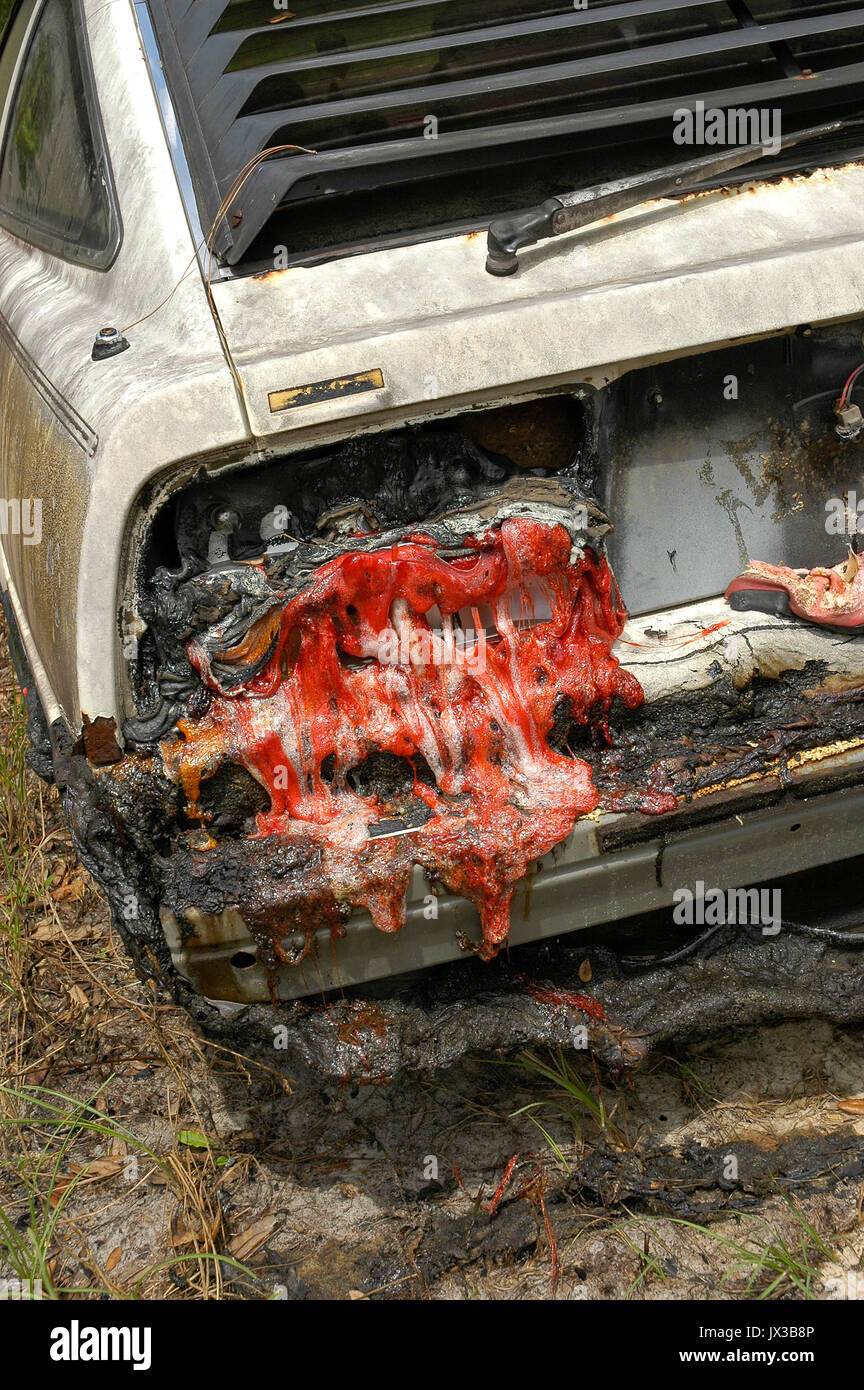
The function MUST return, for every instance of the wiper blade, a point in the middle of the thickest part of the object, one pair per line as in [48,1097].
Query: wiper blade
[573,210]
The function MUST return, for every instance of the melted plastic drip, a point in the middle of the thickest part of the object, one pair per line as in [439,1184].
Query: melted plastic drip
[332,693]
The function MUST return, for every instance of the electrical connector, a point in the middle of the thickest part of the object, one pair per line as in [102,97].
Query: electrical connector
[850,421]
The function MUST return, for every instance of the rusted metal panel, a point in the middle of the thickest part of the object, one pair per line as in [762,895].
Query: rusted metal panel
[100,741]
[317,391]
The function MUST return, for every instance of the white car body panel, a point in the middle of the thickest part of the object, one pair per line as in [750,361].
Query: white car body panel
[664,279]
[145,408]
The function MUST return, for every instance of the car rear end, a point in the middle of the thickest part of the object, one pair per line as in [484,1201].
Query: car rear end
[417,648]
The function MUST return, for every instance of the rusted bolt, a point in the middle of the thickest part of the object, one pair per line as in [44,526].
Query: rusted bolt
[109,342]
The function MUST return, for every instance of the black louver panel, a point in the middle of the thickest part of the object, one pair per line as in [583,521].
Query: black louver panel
[497,81]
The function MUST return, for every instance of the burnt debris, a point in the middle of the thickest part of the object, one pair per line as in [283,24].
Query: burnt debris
[246,545]
[264,659]
[123,821]
[734,982]
[337,653]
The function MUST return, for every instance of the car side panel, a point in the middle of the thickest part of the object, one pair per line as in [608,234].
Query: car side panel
[84,436]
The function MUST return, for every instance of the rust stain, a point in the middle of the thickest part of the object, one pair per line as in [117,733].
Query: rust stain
[100,741]
[536,434]
[271,274]
[315,392]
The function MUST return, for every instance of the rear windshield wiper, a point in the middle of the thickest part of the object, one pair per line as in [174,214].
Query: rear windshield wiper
[573,210]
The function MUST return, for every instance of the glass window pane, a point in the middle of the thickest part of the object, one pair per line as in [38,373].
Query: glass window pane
[51,179]
[12,39]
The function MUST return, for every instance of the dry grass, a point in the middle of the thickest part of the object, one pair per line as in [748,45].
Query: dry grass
[66,992]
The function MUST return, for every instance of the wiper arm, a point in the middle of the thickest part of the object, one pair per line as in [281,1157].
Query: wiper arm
[573,210]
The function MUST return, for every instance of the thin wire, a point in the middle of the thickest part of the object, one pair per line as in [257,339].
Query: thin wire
[234,192]
[209,239]
[846,389]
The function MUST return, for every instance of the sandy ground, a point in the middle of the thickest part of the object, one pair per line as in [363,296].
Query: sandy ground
[138,1159]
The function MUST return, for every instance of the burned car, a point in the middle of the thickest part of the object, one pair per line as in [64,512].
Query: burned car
[429,459]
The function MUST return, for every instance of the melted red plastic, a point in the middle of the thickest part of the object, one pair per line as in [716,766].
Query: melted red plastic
[561,999]
[503,797]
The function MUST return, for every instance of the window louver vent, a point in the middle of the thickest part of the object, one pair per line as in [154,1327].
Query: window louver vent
[496,82]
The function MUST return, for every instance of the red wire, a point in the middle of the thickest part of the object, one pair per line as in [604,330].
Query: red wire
[857,372]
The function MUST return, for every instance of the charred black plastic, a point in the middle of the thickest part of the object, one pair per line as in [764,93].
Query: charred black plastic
[774,601]
[411,93]
[366,485]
